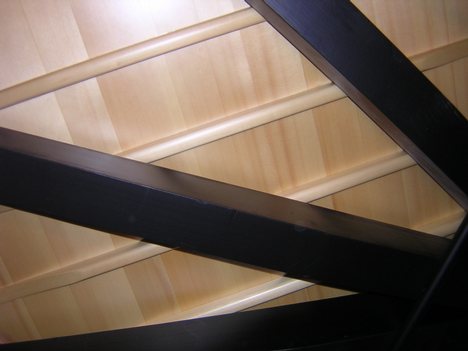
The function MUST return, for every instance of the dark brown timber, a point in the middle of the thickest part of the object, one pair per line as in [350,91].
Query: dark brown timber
[178,210]
[357,57]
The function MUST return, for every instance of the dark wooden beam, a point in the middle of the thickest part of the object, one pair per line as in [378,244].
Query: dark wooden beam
[186,212]
[450,283]
[356,322]
[357,57]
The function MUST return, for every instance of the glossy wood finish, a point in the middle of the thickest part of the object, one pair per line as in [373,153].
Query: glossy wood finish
[209,81]
[210,218]
[357,57]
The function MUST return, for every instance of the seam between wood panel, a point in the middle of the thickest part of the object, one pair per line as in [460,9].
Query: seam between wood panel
[128,56]
[19,305]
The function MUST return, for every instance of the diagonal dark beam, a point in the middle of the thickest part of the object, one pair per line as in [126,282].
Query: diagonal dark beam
[357,57]
[450,281]
[356,322]
[178,210]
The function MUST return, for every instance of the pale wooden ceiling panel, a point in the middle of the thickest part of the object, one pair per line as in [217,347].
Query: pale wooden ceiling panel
[275,65]
[326,202]
[33,244]
[200,83]
[407,198]
[382,199]
[109,25]
[40,116]
[424,198]
[212,79]
[443,78]
[348,137]
[72,243]
[87,118]
[270,158]
[413,26]
[152,288]
[19,57]
[456,12]
[195,81]
[232,73]
[55,33]
[197,280]
[142,102]
[107,302]
[313,76]
[177,91]
[121,241]
[58,43]
[452,81]
[12,327]
[25,249]
[56,312]
[212,8]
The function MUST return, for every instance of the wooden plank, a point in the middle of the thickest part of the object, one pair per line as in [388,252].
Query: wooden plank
[448,281]
[80,271]
[127,56]
[273,111]
[206,217]
[345,45]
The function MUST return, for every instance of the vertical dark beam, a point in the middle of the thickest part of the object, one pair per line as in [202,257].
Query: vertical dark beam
[356,56]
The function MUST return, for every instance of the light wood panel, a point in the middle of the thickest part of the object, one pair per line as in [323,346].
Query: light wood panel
[278,109]
[452,79]
[197,280]
[108,26]
[11,325]
[200,83]
[18,324]
[47,313]
[313,293]
[97,300]
[21,60]
[397,200]
[414,26]
[18,48]
[31,244]
[90,68]
[179,91]
[79,271]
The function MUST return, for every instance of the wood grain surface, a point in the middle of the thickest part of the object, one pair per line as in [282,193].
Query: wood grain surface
[180,91]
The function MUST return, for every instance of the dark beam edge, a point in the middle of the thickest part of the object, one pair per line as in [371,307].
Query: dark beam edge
[356,322]
[450,281]
[424,123]
[177,210]
[449,167]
